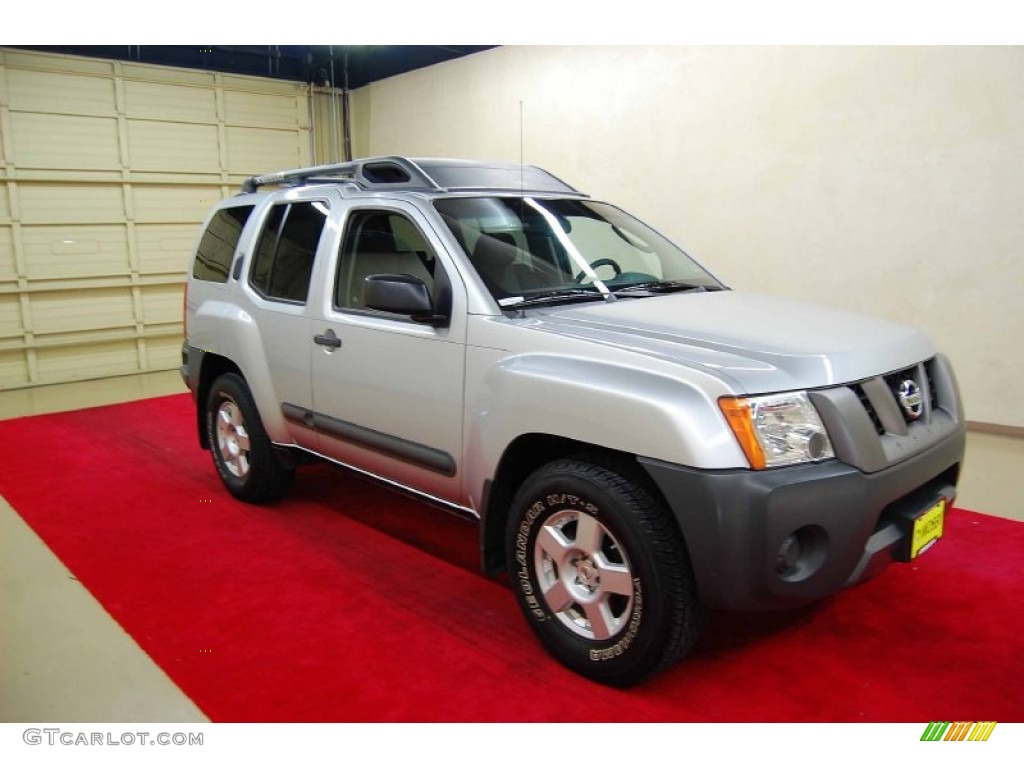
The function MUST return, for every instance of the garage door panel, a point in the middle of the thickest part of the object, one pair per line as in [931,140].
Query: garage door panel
[265,109]
[235,83]
[111,169]
[86,309]
[33,91]
[8,267]
[64,141]
[167,75]
[71,203]
[13,369]
[164,353]
[255,150]
[165,248]
[156,146]
[48,63]
[87,360]
[161,101]
[10,317]
[162,303]
[75,251]
[177,204]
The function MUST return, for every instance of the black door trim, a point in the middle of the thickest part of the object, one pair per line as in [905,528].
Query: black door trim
[424,456]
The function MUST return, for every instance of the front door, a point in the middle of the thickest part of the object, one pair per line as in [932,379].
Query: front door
[387,390]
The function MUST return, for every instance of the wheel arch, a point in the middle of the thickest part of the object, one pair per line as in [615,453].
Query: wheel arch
[213,366]
[528,453]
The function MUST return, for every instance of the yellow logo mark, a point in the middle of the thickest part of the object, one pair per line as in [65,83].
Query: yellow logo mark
[959,731]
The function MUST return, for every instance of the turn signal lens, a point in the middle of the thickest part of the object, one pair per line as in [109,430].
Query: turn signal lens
[737,413]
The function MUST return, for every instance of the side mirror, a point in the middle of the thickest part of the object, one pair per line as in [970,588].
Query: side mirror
[403,295]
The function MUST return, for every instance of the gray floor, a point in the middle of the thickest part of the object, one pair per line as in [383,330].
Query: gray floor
[64,659]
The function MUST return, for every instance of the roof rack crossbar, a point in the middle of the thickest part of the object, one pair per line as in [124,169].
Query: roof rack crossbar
[356,170]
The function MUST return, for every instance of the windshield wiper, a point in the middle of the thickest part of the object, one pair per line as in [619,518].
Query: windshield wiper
[552,297]
[664,286]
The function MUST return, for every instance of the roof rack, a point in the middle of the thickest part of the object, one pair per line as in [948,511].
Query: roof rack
[422,175]
[367,172]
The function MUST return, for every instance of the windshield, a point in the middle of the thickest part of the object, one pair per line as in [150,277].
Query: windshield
[526,249]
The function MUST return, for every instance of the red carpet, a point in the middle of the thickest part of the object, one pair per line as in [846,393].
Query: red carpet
[350,603]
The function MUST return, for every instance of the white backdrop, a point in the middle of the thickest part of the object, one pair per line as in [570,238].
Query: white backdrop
[886,180]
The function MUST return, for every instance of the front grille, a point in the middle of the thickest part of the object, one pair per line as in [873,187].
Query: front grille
[933,392]
[866,403]
[869,428]
[880,397]
[895,380]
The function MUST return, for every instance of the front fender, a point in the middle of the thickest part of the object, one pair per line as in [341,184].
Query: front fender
[605,404]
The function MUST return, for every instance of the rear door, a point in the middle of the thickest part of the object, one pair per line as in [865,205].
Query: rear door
[289,244]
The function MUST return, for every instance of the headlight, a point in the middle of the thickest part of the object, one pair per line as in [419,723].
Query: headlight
[777,430]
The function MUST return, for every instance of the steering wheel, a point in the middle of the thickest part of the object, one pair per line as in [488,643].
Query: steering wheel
[594,265]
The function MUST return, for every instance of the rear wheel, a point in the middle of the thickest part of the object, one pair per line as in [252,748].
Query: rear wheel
[242,453]
[601,572]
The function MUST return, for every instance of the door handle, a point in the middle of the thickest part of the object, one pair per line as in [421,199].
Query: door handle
[328,339]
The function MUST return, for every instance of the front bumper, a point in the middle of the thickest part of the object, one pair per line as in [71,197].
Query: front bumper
[848,524]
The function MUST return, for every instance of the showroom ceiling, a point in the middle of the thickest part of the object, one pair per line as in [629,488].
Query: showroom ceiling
[305,63]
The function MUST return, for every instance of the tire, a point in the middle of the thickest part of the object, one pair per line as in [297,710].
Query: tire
[242,453]
[601,572]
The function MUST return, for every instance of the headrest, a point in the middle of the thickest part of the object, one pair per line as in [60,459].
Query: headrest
[495,250]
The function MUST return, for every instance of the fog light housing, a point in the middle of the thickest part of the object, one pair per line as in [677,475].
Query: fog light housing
[801,553]
[789,555]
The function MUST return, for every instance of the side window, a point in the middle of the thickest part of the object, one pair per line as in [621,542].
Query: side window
[218,243]
[376,243]
[283,260]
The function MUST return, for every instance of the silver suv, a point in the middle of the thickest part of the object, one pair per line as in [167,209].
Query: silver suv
[637,441]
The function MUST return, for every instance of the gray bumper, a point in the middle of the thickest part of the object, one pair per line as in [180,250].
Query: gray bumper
[191,362]
[848,524]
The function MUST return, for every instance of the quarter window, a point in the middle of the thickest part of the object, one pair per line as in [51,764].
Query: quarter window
[283,261]
[218,243]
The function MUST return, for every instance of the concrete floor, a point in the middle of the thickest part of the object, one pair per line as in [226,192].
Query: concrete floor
[64,659]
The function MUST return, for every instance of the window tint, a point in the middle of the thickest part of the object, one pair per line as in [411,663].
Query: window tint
[376,243]
[217,246]
[283,261]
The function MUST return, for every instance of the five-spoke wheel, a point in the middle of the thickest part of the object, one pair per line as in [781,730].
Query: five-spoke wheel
[601,571]
[583,575]
[244,457]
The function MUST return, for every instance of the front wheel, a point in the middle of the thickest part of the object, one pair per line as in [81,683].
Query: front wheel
[601,572]
[242,452]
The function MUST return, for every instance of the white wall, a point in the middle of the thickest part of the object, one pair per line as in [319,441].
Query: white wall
[887,180]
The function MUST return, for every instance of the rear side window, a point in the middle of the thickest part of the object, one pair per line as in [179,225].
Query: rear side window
[283,263]
[217,246]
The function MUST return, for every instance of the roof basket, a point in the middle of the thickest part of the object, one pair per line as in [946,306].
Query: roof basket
[422,175]
[374,172]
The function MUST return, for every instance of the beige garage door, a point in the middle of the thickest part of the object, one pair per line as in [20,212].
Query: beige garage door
[109,169]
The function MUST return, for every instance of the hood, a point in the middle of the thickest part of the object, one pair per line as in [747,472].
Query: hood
[762,343]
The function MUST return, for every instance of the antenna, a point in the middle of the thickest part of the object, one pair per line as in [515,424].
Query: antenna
[521,183]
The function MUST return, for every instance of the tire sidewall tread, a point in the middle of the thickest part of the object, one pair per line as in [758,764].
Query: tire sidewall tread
[665,618]
[267,479]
